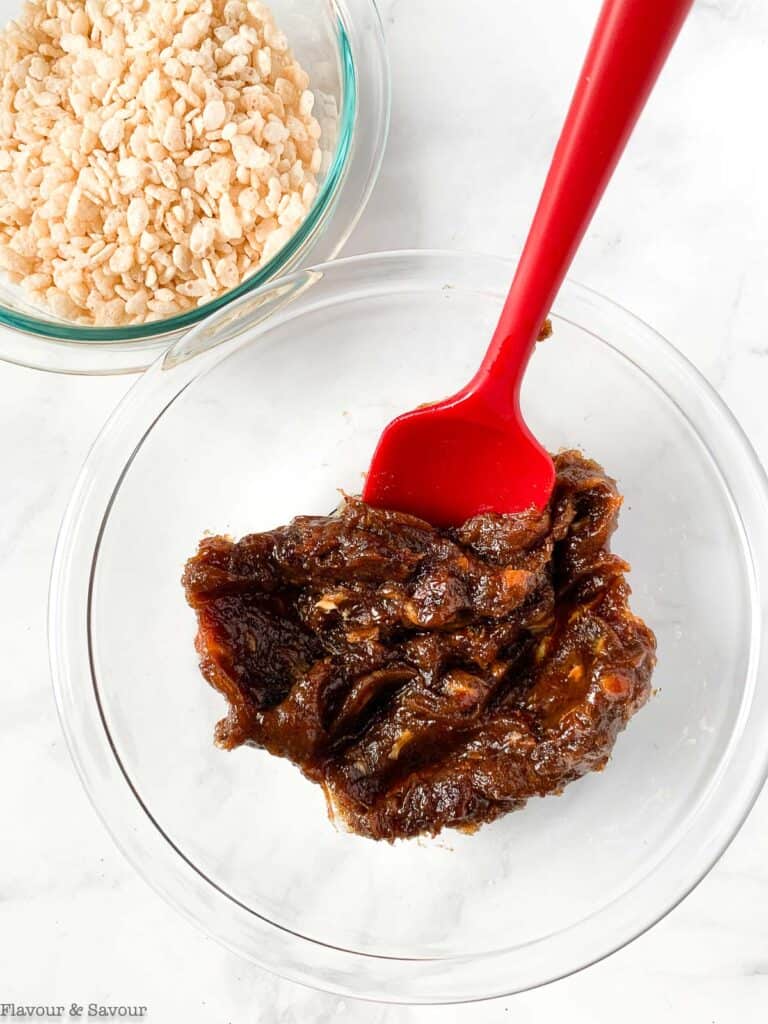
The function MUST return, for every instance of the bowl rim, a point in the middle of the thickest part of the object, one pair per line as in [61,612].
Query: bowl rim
[449,979]
[355,165]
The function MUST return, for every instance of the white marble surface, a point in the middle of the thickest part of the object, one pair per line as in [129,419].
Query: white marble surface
[479,91]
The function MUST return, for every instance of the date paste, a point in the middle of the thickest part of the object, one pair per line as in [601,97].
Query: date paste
[428,678]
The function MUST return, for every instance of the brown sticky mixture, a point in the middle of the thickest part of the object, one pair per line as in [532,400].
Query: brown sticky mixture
[428,678]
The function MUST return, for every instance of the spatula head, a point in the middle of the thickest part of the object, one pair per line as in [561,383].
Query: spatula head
[450,461]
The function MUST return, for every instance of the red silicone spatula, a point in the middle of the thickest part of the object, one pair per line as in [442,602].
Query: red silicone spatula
[473,452]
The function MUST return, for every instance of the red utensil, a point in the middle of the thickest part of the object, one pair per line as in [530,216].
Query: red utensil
[473,452]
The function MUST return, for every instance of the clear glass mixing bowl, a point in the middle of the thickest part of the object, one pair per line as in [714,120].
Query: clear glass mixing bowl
[340,43]
[249,421]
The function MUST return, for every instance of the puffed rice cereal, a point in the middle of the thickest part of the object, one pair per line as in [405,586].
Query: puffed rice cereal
[153,153]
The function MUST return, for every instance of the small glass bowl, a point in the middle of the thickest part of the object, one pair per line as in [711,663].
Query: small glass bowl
[340,43]
[263,413]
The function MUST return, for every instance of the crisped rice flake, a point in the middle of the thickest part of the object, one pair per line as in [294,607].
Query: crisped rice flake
[152,155]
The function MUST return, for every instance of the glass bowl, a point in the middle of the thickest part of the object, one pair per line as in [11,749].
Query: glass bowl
[249,421]
[340,43]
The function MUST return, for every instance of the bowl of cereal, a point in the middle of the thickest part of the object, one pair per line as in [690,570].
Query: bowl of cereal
[153,168]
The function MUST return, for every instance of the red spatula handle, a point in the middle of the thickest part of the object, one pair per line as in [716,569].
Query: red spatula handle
[628,50]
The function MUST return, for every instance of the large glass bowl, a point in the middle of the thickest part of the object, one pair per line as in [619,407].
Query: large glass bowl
[249,421]
[340,44]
